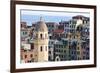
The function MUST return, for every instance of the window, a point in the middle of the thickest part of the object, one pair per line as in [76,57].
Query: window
[87,57]
[72,57]
[41,48]
[74,52]
[28,61]
[84,52]
[64,46]
[70,36]
[57,59]
[25,33]
[51,42]
[25,50]
[78,52]
[45,48]
[78,43]
[83,57]
[32,46]
[36,35]
[50,37]
[41,36]
[83,22]
[62,56]
[78,58]
[49,52]
[52,26]
[32,60]
[64,51]
[25,56]
[49,58]
[61,46]
[31,55]
[61,50]
[77,48]
[74,37]
[77,36]
[49,47]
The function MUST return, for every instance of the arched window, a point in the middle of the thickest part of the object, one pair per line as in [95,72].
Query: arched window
[41,49]
[41,36]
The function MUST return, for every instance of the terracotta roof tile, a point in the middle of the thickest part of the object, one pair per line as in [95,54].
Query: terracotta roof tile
[58,31]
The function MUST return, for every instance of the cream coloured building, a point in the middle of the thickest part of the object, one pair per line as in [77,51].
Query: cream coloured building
[41,42]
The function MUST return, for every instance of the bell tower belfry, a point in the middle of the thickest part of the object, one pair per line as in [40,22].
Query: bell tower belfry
[41,42]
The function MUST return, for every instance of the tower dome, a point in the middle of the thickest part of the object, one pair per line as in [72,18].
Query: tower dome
[41,26]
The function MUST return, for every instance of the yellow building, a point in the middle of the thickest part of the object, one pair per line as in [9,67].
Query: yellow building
[41,42]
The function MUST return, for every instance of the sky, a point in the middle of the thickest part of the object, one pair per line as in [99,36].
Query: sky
[30,16]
